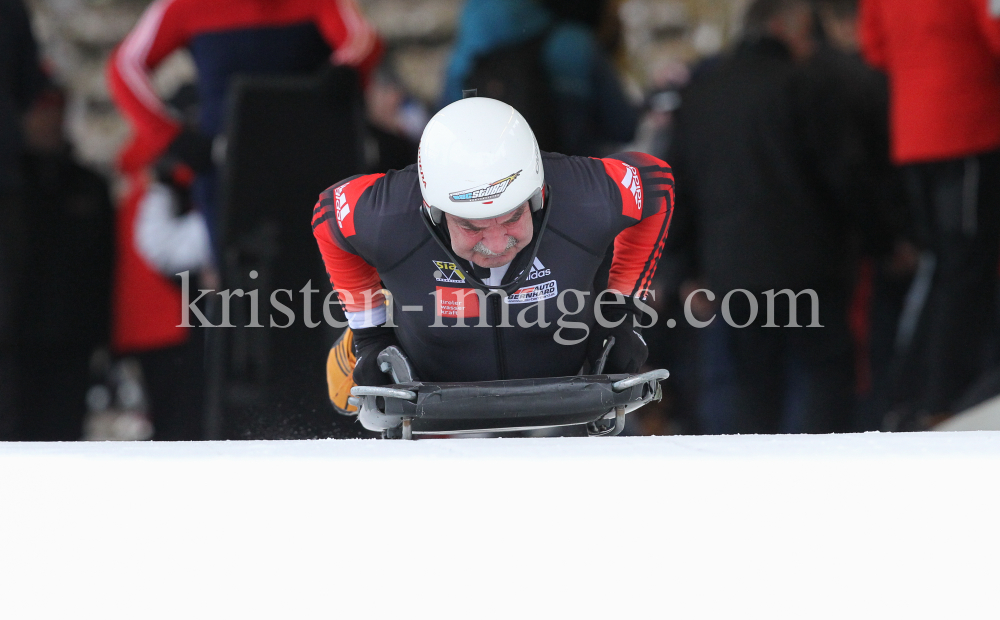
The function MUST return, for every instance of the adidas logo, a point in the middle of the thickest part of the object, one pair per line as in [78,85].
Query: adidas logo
[538,270]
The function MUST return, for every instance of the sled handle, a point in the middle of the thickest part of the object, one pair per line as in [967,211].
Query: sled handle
[652,375]
[384,392]
[603,359]
[393,362]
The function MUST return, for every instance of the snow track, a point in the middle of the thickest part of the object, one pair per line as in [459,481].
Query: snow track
[858,526]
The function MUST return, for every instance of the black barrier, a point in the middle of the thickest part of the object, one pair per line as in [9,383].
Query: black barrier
[289,138]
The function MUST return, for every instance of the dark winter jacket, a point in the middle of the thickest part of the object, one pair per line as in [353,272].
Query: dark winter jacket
[21,79]
[66,291]
[758,172]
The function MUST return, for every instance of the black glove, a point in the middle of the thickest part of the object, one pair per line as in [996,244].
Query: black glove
[629,352]
[192,148]
[178,176]
[368,343]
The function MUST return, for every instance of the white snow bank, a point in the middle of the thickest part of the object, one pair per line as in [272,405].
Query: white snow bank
[859,526]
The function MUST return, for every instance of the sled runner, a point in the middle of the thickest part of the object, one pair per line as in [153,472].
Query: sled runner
[411,407]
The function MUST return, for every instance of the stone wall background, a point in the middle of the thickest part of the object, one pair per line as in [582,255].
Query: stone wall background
[77,36]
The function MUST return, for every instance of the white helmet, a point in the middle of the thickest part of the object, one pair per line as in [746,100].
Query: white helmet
[479,159]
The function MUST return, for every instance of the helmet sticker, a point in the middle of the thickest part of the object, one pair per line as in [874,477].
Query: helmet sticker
[484,192]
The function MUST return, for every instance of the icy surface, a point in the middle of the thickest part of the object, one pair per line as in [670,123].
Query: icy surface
[858,526]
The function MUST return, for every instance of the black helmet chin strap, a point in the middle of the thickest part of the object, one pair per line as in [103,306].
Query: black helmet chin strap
[433,213]
[436,232]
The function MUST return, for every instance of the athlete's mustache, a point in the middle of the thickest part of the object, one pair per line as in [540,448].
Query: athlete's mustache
[479,248]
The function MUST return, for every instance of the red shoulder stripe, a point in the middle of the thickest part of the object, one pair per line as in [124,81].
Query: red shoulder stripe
[345,202]
[627,181]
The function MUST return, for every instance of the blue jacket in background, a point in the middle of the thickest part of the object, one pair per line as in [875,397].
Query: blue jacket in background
[592,108]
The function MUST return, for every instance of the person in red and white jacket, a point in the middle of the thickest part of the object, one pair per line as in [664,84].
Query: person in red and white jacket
[516,245]
[942,60]
[226,38]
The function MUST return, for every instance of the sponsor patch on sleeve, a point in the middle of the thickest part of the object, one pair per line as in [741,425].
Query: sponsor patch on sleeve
[533,293]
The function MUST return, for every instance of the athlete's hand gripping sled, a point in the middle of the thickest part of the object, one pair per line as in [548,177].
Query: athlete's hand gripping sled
[413,407]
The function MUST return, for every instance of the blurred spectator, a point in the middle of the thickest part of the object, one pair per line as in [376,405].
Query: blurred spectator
[147,307]
[160,234]
[63,314]
[761,207]
[552,70]
[170,234]
[656,127]
[226,38]
[942,59]
[590,13]
[21,79]
[854,100]
[395,122]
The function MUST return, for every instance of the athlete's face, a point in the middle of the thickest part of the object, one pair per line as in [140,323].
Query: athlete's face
[491,242]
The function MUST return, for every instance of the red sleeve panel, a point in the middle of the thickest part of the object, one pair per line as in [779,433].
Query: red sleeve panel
[646,185]
[355,281]
[158,33]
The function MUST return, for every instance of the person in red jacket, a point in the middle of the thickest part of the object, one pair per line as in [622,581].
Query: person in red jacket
[942,59]
[226,38]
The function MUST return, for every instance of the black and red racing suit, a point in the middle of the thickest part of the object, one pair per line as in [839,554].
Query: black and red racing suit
[603,226]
